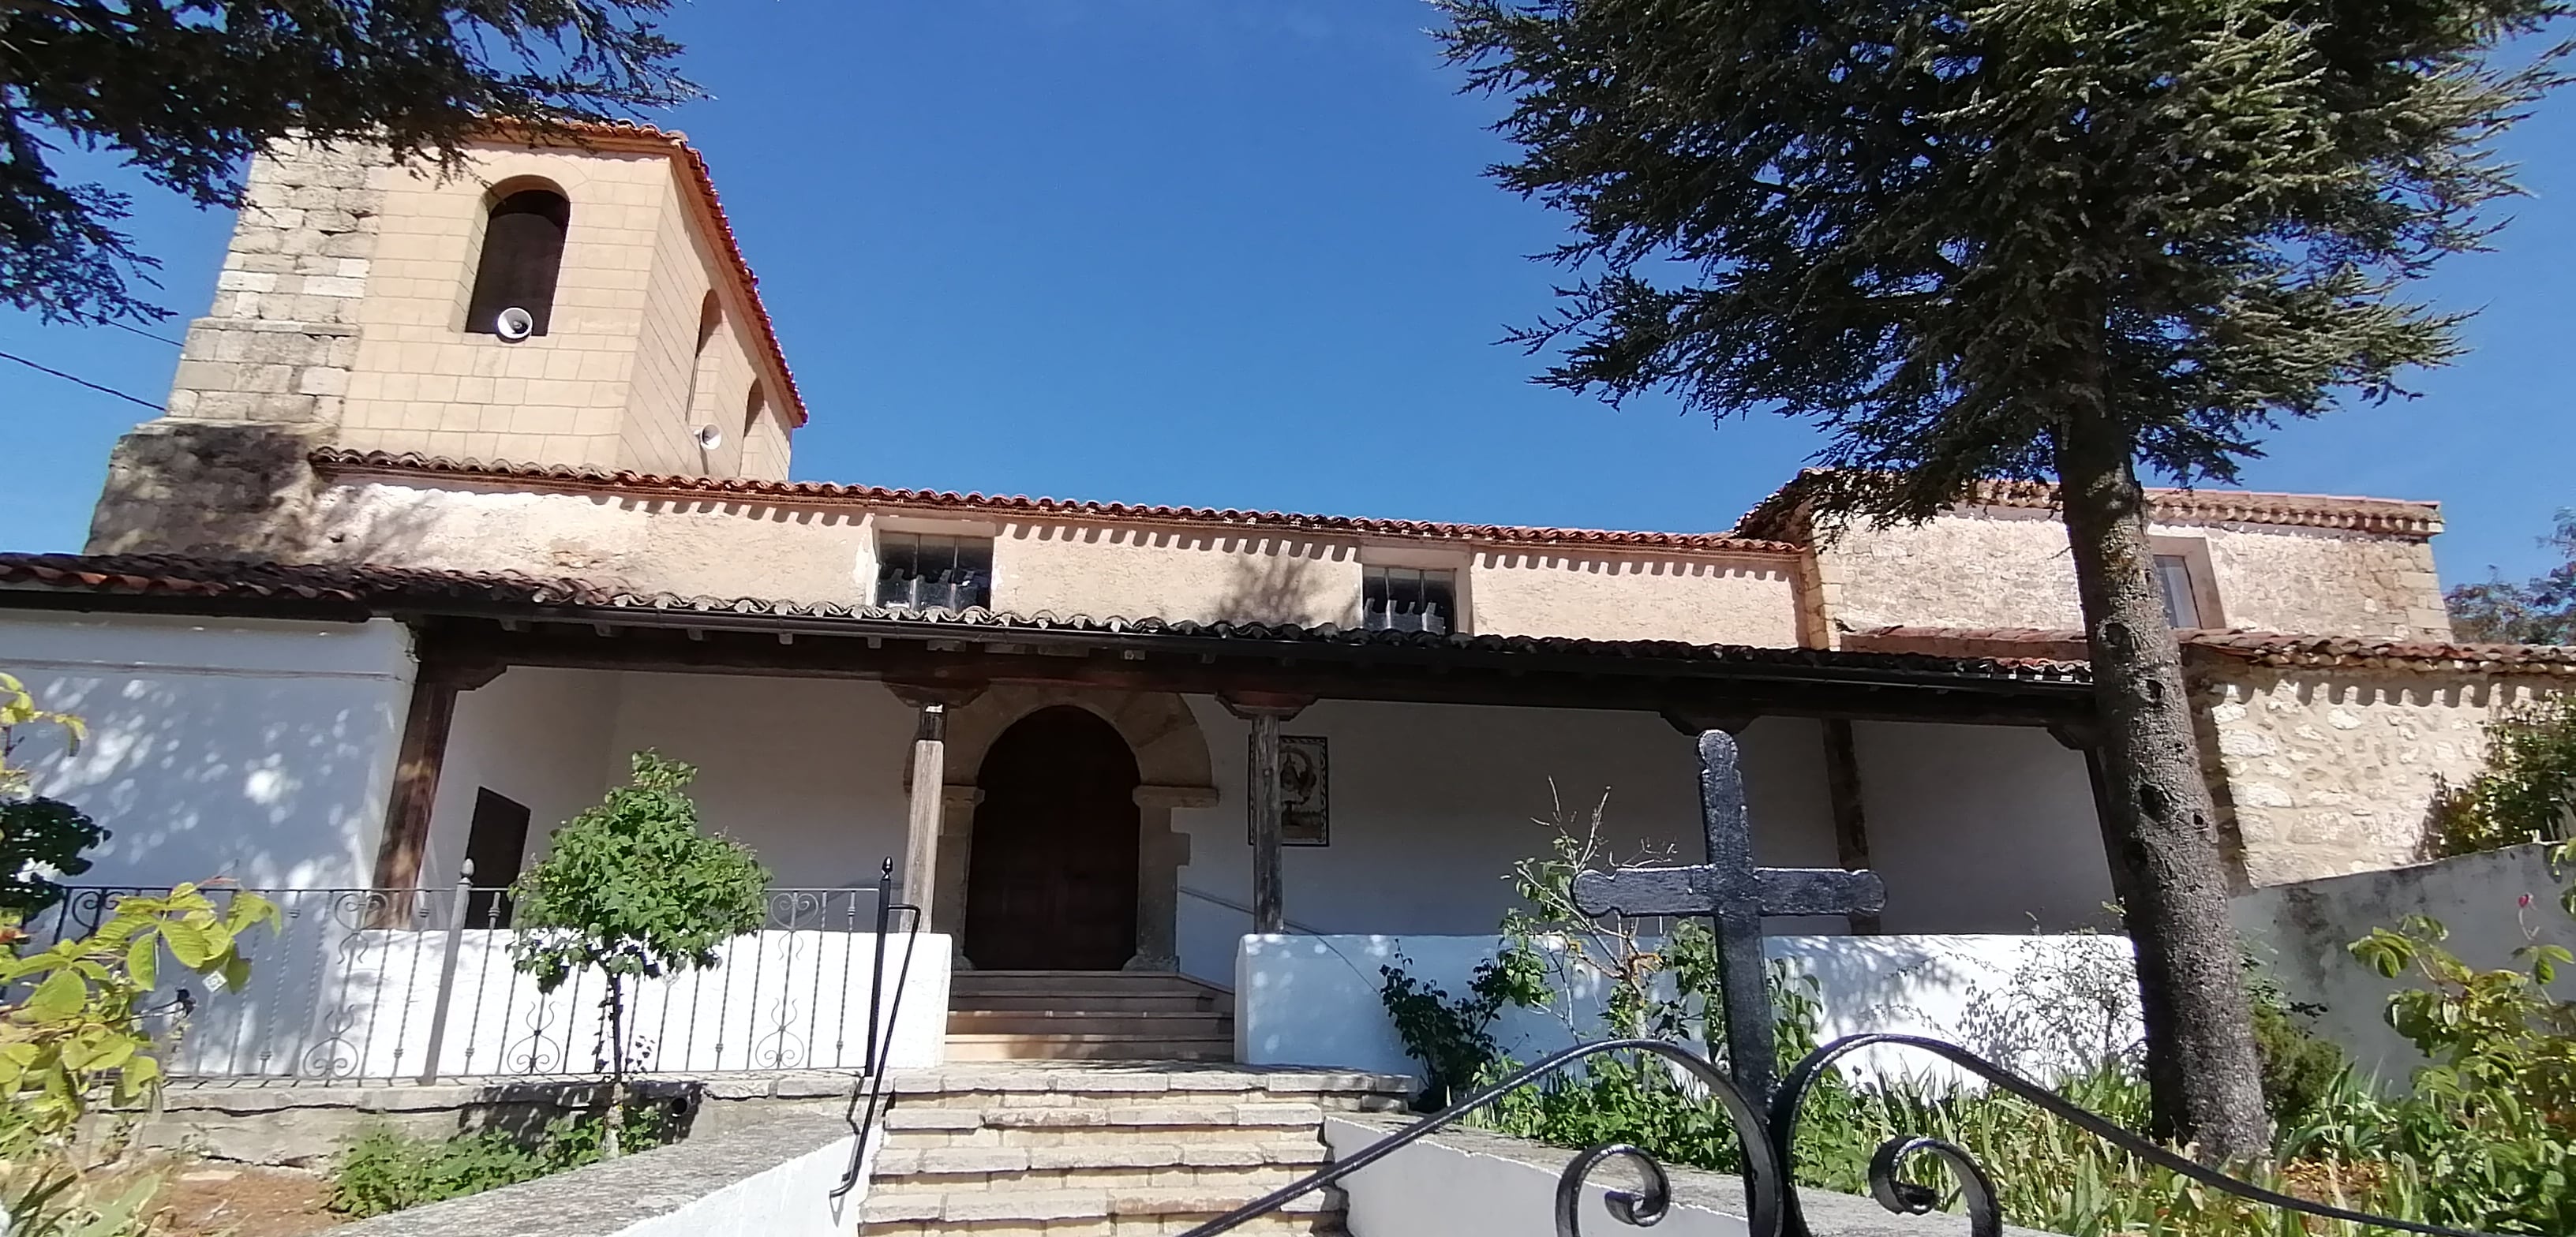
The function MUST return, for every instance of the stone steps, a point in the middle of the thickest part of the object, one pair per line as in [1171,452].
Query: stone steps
[1171,1024]
[1087,1015]
[1107,1149]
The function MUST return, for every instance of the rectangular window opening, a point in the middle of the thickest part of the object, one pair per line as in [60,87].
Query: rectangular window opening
[1408,599]
[920,571]
[2173,574]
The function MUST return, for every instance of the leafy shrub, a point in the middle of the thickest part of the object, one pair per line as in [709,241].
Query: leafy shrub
[39,839]
[1454,1038]
[630,888]
[2300,1070]
[2526,793]
[384,1170]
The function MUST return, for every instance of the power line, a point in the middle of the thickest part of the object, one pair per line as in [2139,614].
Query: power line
[136,330]
[8,356]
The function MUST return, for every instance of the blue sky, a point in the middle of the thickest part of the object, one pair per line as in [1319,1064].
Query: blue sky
[1242,255]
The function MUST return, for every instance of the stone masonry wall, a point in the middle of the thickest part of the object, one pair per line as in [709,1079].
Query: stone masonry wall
[2327,771]
[2009,567]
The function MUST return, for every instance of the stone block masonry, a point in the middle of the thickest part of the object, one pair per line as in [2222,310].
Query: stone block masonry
[1108,1149]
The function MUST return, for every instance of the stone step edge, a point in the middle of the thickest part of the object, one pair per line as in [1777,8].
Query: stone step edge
[1047,1205]
[896,1162]
[1136,1077]
[1270,1113]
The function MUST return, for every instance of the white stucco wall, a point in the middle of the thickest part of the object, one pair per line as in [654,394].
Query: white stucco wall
[808,772]
[1432,804]
[1981,829]
[258,750]
[1313,1000]
[2301,931]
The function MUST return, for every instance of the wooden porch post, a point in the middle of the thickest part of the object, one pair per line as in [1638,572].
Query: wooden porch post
[929,793]
[926,806]
[404,844]
[1851,824]
[1261,786]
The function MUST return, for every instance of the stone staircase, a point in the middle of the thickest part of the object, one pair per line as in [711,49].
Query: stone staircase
[1087,1015]
[1107,1149]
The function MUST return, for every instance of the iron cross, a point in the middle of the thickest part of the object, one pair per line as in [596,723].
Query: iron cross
[1735,895]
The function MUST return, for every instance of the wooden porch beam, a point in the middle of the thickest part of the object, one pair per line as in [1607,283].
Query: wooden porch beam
[1265,711]
[1287,673]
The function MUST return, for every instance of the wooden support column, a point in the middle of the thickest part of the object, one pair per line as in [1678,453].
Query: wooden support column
[925,809]
[404,845]
[1261,787]
[1851,823]
[921,822]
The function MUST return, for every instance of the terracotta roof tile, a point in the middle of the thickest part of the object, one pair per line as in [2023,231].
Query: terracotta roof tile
[2262,647]
[396,589]
[1775,516]
[335,459]
[635,135]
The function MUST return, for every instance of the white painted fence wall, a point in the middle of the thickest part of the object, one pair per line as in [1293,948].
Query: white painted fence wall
[326,1003]
[2039,1004]
[2303,932]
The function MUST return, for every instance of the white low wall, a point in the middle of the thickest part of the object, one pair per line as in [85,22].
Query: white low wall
[329,1002]
[2303,931]
[793,1199]
[2038,1004]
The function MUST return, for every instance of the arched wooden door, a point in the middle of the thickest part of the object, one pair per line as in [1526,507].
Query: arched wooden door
[1051,880]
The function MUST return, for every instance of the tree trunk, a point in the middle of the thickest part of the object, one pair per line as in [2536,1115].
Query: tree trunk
[613,1123]
[2201,1063]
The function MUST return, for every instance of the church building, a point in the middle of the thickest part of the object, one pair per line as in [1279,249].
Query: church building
[468,488]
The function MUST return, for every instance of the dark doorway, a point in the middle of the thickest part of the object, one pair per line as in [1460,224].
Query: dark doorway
[495,845]
[1051,883]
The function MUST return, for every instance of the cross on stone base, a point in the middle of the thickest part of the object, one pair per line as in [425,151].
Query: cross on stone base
[1735,895]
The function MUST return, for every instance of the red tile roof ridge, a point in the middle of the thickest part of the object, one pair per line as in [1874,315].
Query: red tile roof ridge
[2264,647]
[1775,516]
[671,141]
[341,459]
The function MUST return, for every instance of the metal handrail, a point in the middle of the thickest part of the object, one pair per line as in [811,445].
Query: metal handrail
[1771,1190]
[1241,909]
[879,1050]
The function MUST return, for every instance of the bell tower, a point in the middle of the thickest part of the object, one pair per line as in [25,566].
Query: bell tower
[574,298]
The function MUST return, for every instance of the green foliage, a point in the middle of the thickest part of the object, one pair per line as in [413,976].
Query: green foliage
[75,1022]
[1888,217]
[37,837]
[2526,792]
[228,78]
[2541,610]
[1454,1038]
[2300,1070]
[18,712]
[384,1170]
[2503,1071]
[630,888]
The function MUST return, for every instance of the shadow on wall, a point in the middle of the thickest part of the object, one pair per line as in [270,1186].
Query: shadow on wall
[274,782]
[1278,587]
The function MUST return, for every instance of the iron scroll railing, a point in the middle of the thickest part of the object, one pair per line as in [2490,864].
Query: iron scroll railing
[1769,1138]
[417,985]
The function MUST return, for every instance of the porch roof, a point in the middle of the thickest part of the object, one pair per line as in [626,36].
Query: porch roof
[493,620]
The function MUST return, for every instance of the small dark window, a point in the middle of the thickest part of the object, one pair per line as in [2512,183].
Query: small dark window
[934,573]
[523,243]
[496,844]
[1408,599]
[2173,576]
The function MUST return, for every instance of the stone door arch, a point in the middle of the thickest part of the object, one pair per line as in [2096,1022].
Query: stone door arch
[1173,772]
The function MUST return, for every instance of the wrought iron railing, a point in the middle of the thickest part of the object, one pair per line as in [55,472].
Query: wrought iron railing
[868,1105]
[419,985]
[1769,1140]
